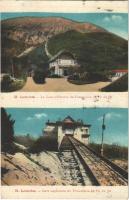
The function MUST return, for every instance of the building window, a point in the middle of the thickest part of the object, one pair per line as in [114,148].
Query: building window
[86,130]
[84,136]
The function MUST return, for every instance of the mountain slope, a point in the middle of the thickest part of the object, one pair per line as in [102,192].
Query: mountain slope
[94,47]
[35,30]
[95,50]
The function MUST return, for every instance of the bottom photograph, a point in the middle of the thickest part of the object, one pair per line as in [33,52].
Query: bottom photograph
[64,146]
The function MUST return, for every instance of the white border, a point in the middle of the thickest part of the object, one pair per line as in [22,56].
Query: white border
[64,6]
[81,99]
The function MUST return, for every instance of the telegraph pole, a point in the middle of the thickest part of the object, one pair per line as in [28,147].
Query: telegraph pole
[103,128]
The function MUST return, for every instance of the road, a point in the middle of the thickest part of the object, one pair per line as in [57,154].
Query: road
[61,85]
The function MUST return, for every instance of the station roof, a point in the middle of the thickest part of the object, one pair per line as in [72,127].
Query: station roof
[62,52]
[69,121]
[120,70]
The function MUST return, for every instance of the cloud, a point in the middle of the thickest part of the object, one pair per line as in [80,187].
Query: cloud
[116,18]
[37,116]
[40,115]
[110,116]
[113,18]
[29,118]
[106,19]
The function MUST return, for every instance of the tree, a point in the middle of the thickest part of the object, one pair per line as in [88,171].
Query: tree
[7,130]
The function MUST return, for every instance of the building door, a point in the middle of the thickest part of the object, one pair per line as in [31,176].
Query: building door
[69,132]
[65,72]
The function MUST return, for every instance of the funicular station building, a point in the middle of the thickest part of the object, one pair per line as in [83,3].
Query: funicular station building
[68,127]
[62,64]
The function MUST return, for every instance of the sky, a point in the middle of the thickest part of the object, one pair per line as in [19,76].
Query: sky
[114,22]
[32,121]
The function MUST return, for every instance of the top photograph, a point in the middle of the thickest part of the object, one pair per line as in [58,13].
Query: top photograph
[64,52]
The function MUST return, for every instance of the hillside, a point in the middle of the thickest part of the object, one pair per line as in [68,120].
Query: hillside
[94,47]
[35,30]
[120,84]
[47,168]
[95,51]
[18,34]
[21,169]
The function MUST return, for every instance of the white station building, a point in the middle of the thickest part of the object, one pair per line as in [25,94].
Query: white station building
[62,63]
[70,127]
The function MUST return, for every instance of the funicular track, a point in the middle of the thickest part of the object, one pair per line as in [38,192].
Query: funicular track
[74,171]
[99,169]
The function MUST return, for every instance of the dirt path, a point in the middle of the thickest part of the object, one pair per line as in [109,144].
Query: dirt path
[61,85]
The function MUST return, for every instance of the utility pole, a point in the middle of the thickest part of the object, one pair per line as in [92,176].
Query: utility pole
[103,128]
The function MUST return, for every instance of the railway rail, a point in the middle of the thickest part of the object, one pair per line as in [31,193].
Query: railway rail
[100,170]
[74,171]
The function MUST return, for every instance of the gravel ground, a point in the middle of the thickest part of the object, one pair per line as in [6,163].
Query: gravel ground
[61,85]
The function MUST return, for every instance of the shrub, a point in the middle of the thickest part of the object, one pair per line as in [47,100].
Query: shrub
[98,76]
[113,151]
[9,84]
[88,77]
[39,76]
[44,143]
[25,140]
[6,81]
[55,76]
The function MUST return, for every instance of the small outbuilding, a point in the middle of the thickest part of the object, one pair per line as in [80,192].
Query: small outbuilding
[117,73]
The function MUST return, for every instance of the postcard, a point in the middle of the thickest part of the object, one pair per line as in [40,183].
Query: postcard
[64,100]
[64,51]
[64,151]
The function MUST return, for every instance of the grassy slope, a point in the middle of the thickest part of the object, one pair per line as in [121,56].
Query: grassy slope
[111,151]
[94,50]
